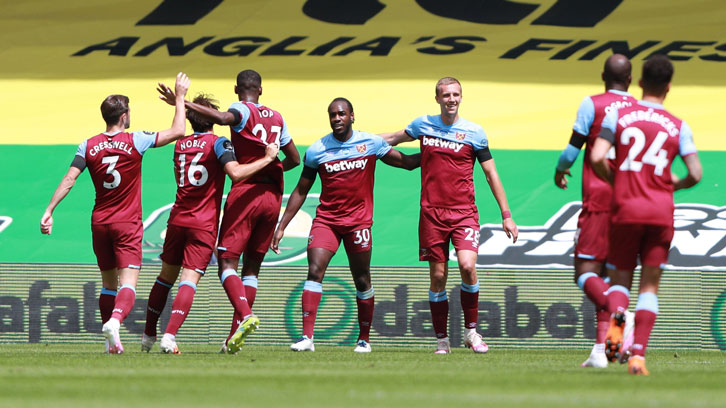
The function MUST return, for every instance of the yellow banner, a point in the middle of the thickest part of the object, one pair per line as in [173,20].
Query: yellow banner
[524,66]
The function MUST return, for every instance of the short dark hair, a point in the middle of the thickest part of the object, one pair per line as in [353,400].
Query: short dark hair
[657,74]
[113,107]
[248,80]
[201,123]
[341,99]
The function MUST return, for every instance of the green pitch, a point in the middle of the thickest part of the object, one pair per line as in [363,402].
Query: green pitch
[81,376]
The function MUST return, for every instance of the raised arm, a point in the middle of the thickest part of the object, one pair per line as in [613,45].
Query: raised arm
[598,157]
[68,181]
[237,171]
[296,200]
[405,161]
[695,171]
[567,158]
[178,125]
[495,184]
[292,156]
[217,117]
[395,138]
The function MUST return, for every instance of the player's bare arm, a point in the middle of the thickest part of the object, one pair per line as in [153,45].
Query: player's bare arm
[217,117]
[567,158]
[395,138]
[695,171]
[495,184]
[404,161]
[237,171]
[292,156]
[598,156]
[296,200]
[68,181]
[178,125]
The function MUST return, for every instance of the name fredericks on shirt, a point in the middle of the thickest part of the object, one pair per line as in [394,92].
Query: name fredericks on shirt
[649,116]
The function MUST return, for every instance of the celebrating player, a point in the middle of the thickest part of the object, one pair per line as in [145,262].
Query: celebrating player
[593,224]
[346,161]
[200,163]
[449,146]
[113,159]
[253,204]
[646,138]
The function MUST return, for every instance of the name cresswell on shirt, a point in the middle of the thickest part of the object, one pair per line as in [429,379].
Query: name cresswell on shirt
[114,144]
[346,165]
[699,241]
[446,144]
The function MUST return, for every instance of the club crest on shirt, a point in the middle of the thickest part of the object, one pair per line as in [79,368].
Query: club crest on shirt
[361,148]
[460,135]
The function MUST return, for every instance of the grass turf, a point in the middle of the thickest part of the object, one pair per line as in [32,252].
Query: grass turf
[78,375]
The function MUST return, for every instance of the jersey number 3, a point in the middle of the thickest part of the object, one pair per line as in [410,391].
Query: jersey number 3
[111,169]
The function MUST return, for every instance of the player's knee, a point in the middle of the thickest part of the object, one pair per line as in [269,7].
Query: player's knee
[315,272]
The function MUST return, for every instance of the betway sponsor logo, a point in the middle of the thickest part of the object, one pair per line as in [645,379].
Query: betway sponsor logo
[699,241]
[443,143]
[346,165]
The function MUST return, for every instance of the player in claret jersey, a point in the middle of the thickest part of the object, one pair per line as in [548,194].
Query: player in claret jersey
[253,204]
[646,138]
[593,224]
[200,163]
[449,147]
[113,159]
[346,162]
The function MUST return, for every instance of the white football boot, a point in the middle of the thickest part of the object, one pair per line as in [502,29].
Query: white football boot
[168,344]
[111,333]
[597,357]
[443,346]
[475,343]
[303,344]
[628,337]
[362,346]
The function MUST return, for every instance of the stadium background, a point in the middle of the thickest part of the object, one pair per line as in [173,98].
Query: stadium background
[524,67]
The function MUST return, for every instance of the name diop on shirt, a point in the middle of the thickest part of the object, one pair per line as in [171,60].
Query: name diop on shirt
[114,144]
[446,144]
[649,116]
[346,165]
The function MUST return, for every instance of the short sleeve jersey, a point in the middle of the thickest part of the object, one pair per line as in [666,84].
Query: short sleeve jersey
[199,161]
[258,127]
[596,192]
[114,162]
[346,172]
[448,155]
[647,139]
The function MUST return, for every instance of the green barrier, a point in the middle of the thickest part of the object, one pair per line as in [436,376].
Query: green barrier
[517,308]
[546,215]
